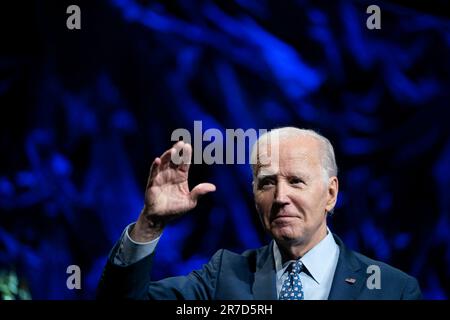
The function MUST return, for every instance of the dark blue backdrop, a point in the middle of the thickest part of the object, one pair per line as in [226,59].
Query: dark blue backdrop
[83,114]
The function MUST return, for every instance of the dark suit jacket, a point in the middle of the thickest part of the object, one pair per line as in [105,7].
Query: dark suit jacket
[251,275]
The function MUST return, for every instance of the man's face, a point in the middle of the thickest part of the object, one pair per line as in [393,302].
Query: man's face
[292,195]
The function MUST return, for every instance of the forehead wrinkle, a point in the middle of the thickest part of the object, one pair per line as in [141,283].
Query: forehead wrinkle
[301,152]
[291,160]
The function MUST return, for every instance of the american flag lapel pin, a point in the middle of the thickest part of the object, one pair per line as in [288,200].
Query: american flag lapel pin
[350,280]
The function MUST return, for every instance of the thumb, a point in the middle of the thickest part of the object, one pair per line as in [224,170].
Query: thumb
[202,189]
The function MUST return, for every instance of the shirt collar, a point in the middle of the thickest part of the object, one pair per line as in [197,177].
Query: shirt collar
[317,267]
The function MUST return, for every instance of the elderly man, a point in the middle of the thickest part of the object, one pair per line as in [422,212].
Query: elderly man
[294,192]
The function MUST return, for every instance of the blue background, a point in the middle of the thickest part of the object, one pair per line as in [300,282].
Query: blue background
[84,113]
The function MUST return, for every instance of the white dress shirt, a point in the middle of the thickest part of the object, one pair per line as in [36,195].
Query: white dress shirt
[131,251]
[320,262]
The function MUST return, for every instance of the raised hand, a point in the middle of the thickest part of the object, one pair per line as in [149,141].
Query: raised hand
[167,194]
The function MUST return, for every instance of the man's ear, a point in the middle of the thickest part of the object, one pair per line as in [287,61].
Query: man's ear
[254,195]
[253,187]
[332,193]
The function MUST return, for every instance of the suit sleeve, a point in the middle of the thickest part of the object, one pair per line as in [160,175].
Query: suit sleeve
[411,290]
[134,282]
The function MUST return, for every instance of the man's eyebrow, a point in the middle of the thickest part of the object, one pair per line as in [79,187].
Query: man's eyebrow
[303,175]
[268,175]
[300,175]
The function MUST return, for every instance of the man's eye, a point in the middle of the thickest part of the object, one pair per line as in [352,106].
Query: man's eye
[265,182]
[296,180]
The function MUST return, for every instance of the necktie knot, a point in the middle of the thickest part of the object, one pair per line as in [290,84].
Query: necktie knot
[297,267]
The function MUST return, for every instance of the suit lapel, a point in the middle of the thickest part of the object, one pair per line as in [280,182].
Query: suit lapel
[349,277]
[348,281]
[264,285]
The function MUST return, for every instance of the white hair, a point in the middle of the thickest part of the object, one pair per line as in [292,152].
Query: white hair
[328,160]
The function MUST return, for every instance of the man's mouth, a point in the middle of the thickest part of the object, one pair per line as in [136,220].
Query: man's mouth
[283,217]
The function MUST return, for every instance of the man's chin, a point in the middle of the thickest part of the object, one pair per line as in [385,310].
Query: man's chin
[285,234]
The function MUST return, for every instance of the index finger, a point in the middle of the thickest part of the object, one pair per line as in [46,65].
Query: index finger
[186,158]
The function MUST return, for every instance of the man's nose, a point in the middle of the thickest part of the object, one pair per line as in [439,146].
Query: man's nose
[281,193]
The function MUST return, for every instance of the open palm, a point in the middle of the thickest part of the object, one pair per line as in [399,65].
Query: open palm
[167,194]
